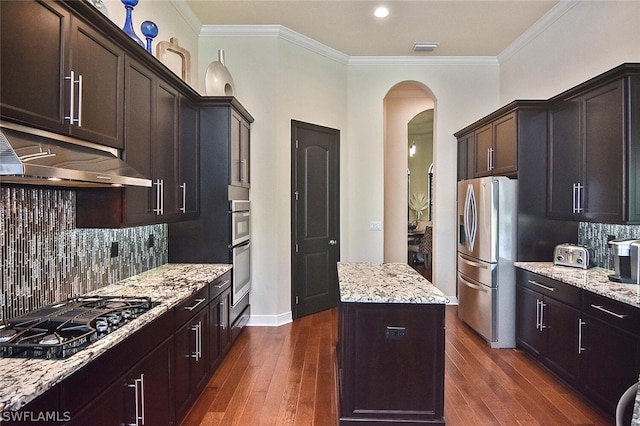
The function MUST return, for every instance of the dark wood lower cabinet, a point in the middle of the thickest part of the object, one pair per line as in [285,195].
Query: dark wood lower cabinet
[391,363]
[141,396]
[590,341]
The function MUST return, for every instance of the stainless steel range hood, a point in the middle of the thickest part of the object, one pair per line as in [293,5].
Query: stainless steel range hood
[34,157]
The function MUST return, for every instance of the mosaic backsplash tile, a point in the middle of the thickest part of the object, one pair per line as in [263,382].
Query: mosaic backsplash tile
[594,236]
[46,259]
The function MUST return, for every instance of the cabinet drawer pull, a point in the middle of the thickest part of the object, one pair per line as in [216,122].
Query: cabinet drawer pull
[542,285]
[183,208]
[191,308]
[580,324]
[222,284]
[600,308]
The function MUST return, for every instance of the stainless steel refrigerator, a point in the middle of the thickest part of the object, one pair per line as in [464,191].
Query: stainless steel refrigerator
[487,223]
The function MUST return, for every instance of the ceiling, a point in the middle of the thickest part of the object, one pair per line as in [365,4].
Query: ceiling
[462,28]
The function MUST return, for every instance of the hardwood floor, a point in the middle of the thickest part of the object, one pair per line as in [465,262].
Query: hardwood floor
[285,376]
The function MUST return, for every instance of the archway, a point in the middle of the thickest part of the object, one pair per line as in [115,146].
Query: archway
[402,103]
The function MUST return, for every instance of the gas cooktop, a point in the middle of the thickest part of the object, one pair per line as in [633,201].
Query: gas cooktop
[60,330]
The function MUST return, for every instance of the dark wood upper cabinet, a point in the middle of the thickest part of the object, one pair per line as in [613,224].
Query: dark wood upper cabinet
[33,87]
[189,178]
[594,150]
[64,76]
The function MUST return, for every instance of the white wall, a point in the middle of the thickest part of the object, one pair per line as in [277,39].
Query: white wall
[277,81]
[464,91]
[588,38]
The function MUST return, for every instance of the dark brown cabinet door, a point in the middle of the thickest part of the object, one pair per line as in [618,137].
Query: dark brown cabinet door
[603,156]
[219,328]
[191,367]
[32,39]
[165,154]
[483,143]
[610,362]
[465,157]
[562,324]
[565,152]
[528,333]
[586,157]
[140,128]
[99,96]
[189,170]
[239,151]
[148,393]
[504,157]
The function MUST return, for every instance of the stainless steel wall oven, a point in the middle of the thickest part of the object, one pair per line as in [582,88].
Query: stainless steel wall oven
[240,249]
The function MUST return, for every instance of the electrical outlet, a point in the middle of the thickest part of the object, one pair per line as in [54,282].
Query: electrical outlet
[151,241]
[114,249]
[375,226]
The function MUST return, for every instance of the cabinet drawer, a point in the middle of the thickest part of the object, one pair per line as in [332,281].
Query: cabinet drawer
[190,306]
[219,285]
[611,311]
[549,287]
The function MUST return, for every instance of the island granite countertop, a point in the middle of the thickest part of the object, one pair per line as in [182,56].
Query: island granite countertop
[594,280]
[362,282]
[23,380]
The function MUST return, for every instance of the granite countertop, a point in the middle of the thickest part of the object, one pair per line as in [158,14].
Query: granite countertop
[594,280]
[385,283]
[22,380]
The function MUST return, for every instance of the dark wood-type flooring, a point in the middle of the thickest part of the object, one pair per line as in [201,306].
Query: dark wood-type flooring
[285,376]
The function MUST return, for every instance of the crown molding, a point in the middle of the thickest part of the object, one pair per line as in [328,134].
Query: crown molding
[424,60]
[187,14]
[540,26]
[277,31]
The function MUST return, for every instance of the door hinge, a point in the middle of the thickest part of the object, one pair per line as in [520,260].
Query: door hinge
[297,248]
[296,143]
[296,194]
[297,300]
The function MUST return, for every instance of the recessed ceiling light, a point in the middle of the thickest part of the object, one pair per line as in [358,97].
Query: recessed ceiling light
[424,46]
[381,12]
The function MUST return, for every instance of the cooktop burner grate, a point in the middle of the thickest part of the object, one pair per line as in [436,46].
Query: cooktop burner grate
[62,329]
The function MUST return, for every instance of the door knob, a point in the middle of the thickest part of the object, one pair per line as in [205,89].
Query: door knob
[333,242]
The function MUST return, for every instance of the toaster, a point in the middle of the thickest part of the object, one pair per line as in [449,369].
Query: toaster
[573,255]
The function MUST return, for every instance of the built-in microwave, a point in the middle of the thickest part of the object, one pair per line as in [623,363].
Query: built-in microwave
[240,222]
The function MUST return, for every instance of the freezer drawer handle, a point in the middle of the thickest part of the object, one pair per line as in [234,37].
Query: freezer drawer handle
[542,286]
[476,264]
[477,287]
[605,310]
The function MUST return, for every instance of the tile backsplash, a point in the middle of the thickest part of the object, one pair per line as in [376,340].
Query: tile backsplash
[594,236]
[46,259]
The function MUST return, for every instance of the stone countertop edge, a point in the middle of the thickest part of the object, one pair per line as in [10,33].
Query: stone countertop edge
[22,380]
[364,282]
[595,280]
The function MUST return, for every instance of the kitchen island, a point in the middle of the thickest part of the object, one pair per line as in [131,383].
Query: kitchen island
[23,380]
[390,350]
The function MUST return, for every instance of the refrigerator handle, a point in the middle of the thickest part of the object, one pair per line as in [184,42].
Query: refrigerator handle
[470,217]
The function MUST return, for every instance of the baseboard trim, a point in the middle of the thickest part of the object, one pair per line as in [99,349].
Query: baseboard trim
[270,320]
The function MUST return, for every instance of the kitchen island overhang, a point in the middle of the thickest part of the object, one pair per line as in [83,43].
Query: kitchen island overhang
[390,351]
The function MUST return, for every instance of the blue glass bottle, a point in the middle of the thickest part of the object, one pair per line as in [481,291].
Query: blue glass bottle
[128,23]
[149,31]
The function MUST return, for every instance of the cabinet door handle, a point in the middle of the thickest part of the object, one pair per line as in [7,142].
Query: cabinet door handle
[542,285]
[197,328]
[72,97]
[191,308]
[580,190]
[580,324]
[138,394]
[538,314]
[243,171]
[79,119]
[574,208]
[488,158]
[223,317]
[605,310]
[183,208]
[542,306]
